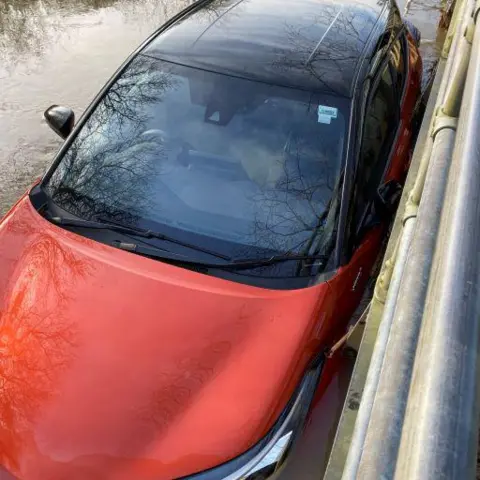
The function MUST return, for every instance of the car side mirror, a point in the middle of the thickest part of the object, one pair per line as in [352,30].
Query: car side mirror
[384,206]
[60,119]
[387,198]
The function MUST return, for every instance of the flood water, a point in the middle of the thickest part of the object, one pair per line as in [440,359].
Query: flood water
[59,51]
[63,51]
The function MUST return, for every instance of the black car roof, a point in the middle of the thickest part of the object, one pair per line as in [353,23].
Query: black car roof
[315,45]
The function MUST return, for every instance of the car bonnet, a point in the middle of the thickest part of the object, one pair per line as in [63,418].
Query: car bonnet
[118,366]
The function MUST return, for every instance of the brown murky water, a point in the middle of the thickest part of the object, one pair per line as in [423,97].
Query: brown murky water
[59,51]
[63,51]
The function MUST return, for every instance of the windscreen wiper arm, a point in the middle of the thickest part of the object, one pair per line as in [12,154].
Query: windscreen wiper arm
[154,252]
[242,264]
[136,232]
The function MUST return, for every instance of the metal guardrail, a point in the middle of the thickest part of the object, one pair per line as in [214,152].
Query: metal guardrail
[440,431]
[418,415]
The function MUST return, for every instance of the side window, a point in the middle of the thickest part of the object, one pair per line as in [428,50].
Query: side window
[399,64]
[379,130]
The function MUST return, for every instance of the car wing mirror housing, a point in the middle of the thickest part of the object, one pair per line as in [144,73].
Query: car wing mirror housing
[60,119]
[384,206]
[388,198]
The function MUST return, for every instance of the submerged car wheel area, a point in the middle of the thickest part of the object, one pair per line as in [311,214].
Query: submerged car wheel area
[170,287]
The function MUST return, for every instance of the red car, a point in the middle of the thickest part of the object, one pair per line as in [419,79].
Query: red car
[168,290]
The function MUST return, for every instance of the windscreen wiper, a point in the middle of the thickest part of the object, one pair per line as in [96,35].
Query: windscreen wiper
[136,232]
[155,252]
[241,264]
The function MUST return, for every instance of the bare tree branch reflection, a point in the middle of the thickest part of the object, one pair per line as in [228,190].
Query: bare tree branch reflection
[302,207]
[268,158]
[108,169]
[37,342]
[331,62]
[219,156]
[29,27]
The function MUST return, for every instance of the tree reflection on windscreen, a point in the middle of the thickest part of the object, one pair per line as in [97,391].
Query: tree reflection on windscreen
[249,165]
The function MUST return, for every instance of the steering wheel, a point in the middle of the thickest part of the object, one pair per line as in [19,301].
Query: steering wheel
[157,135]
[162,137]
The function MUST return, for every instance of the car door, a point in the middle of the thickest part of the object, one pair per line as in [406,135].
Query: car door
[379,139]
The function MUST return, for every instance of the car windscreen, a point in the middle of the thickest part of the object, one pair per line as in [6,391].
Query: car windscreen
[248,168]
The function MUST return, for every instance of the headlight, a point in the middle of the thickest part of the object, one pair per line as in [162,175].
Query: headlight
[262,460]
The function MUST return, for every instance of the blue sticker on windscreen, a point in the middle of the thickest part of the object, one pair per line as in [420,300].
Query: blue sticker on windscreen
[325,114]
